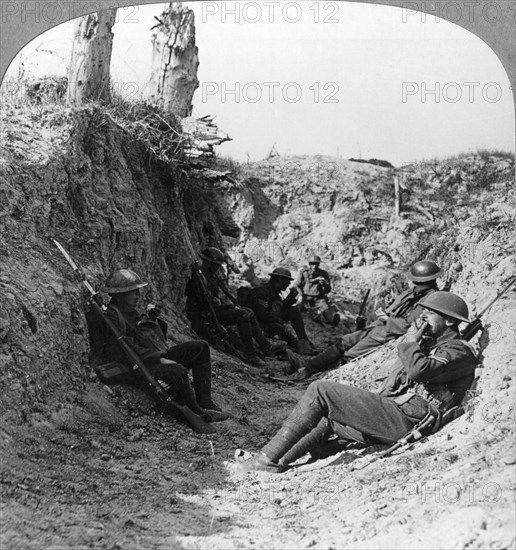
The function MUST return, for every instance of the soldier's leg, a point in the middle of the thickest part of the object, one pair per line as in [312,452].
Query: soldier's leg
[238,316]
[293,315]
[347,341]
[195,356]
[282,331]
[260,337]
[375,337]
[177,381]
[364,411]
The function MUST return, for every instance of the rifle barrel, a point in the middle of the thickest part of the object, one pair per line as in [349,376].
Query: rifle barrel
[499,295]
[364,303]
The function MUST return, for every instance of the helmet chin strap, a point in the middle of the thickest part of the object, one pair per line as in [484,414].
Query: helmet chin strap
[420,287]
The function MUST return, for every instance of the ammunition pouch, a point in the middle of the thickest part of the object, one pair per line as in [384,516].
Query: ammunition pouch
[112,373]
[439,396]
[441,401]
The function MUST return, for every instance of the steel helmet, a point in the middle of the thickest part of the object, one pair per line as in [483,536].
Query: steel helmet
[281,272]
[123,280]
[314,259]
[424,271]
[447,304]
[213,255]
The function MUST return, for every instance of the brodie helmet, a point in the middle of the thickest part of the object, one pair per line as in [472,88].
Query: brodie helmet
[424,271]
[314,259]
[447,304]
[123,280]
[213,255]
[281,272]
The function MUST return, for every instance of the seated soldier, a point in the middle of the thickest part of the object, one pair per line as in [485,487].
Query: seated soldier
[428,378]
[275,313]
[313,282]
[146,334]
[228,312]
[391,324]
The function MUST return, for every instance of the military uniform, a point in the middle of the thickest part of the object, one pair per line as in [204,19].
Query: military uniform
[228,314]
[274,313]
[401,314]
[425,379]
[313,289]
[147,336]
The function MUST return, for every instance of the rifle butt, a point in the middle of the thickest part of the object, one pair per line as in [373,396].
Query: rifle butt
[196,422]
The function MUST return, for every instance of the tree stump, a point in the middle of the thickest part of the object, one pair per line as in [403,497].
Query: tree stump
[88,74]
[175,60]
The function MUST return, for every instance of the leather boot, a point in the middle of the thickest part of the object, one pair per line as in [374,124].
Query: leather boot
[270,349]
[252,358]
[214,416]
[188,408]
[302,420]
[326,360]
[310,443]
[304,347]
[295,362]
[202,385]
[209,415]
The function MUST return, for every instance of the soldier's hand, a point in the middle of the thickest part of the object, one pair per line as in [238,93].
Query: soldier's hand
[415,332]
[153,310]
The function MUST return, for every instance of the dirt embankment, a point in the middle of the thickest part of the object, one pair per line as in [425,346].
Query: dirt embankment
[84,466]
[292,207]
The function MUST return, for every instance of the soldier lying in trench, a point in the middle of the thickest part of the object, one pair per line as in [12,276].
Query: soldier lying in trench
[429,377]
[391,324]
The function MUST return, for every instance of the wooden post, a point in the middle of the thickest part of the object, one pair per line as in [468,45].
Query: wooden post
[397,197]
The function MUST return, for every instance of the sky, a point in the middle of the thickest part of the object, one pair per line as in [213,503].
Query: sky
[332,78]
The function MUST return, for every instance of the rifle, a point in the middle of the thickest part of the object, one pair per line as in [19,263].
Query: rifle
[420,430]
[193,420]
[361,320]
[476,325]
[222,287]
[199,277]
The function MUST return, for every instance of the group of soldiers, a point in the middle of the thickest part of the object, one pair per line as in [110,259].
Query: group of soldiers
[435,367]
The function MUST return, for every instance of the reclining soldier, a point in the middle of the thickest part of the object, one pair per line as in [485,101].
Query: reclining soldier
[146,333]
[227,312]
[280,317]
[430,376]
[392,323]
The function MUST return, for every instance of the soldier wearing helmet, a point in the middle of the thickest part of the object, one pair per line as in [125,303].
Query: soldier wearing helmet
[313,282]
[147,335]
[227,311]
[428,378]
[391,323]
[277,315]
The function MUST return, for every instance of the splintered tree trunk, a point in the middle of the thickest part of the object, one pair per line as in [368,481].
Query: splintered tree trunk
[88,74]
[173,79]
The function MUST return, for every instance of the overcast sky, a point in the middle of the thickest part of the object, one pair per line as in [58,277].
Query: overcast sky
[346,79]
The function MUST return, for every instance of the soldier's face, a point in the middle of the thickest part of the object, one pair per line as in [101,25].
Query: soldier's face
[436,323]
[280,283]
[311,267]
[130,298]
